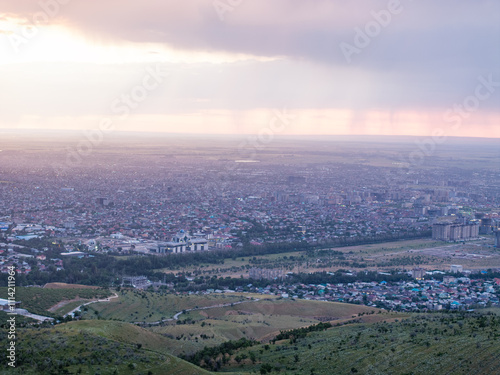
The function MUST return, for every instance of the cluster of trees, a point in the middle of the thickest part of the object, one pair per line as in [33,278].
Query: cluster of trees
[404,261]
[100,270]
[298,333]
[477,275]
[217,283]
[103,269]
[341,277]
[489,274]
[276,248]
[213,357]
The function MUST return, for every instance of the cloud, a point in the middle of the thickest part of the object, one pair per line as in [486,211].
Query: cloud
[422,32]
[426,57]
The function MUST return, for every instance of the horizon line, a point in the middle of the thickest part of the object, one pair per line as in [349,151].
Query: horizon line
[278,136]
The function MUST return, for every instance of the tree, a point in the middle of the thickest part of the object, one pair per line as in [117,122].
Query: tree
[265,368]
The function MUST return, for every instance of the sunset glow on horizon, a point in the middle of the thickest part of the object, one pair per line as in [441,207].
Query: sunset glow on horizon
[69,66]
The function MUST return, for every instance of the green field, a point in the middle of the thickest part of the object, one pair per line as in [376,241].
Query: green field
[396,246]
[371,255]
[70,306]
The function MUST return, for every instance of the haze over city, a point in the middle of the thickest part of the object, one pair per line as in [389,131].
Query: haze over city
[249,187]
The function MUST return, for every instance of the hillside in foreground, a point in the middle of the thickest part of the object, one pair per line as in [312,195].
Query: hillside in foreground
[437,343]
[267,336]
[216,319]
[97,347]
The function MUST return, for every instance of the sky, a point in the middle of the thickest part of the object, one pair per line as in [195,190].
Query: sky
[266,67]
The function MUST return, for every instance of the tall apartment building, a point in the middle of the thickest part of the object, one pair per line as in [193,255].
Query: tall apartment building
[454,232]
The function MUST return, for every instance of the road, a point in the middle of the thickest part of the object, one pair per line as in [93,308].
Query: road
[176,316]
[88,303]
[27,314]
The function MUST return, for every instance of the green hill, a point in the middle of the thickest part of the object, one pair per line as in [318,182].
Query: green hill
[94,347]
[122,332]
[360,340]
[437,343]
[145,306]
[76,348]
[258,320]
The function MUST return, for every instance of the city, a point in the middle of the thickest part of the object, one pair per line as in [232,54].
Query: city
[249,187]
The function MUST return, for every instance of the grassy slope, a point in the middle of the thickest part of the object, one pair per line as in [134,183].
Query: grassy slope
[432,344]
[260,320]
[20,320]
[138,306]
[252,319]
[39,300]
[302,308]
[68,286]
[95,347]
[120,331]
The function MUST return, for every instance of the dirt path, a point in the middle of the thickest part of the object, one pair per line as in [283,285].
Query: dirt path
[88,303]
[176,316]
[58,305]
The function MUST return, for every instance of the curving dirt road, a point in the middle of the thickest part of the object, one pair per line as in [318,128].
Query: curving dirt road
[176,316]
[88,303]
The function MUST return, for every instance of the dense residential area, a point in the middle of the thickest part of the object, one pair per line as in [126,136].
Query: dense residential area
[455,293]
[249,187]
[231,204]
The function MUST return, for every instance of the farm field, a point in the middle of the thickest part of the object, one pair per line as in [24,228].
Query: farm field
[66,307]
[318,310]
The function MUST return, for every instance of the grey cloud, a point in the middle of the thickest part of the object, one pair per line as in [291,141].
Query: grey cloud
[430,54]
[465,31]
